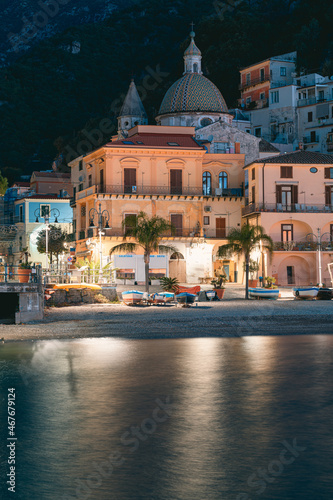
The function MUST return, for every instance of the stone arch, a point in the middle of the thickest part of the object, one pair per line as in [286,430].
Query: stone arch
[303,270]
[300,229]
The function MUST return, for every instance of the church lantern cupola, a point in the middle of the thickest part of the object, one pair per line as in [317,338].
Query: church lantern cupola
[192,57]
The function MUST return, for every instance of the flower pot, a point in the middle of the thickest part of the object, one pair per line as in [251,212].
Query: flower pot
[253,283]
[220,292]
[23,275]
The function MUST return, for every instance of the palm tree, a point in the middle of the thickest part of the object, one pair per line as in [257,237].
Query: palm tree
[242,242]
[148,233]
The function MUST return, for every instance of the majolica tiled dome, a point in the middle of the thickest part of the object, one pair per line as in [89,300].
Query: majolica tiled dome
[193,92]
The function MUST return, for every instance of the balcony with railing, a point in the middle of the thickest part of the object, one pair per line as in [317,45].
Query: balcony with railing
[310,101]
[254,208]
[302,246]
[178,232]
[254,81]
[311,139]
[169,191]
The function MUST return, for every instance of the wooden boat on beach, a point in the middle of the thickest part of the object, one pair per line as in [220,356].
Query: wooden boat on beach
[185,298]
[264,293]
[162,297]
[132,297]
[306,293]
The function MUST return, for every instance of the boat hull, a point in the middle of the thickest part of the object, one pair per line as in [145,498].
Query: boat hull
[185,298]
[132,297]
[306,293]
[162,297]
[264,293]
[210,294]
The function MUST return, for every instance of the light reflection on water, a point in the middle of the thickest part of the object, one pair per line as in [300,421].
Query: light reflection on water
[234,402]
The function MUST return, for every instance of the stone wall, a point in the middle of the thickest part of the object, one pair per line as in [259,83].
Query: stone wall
[77,296]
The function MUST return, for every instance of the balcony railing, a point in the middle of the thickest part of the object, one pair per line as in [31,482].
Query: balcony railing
[279,207]
[302,246]
[311,139]
[254,81]
[167,190]
[178,233]
[310,101]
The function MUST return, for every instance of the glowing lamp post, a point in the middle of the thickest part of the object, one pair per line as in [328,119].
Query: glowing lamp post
[46,216]
[320,238]
[100,215]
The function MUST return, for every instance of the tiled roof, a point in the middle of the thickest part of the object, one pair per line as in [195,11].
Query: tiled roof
[267,147]
[299,157]
[21,184]
[168,141]
[44,197]
[193,92]
[53,175]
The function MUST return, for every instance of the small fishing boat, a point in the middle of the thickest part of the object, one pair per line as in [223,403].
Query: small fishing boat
[76,286]
[264,293]
[307,293]
[210,294]
[185,298]
[162,297]
[131,297]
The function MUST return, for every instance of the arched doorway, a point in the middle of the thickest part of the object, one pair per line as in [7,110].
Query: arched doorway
[177,267]
[295,270]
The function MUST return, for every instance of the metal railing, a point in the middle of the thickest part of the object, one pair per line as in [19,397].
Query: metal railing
[167,190]
[311,139]
[254,81]
[10,273]
[302,246]
[279,207]
[192,232]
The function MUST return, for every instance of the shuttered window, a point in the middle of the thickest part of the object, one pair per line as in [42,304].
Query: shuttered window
[177,222]
[328,173]
[286,172]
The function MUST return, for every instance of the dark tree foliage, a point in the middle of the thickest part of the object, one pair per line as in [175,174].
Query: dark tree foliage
[53,100]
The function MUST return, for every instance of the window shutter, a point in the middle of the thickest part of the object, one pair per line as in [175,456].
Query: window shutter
[327,173]
[278,194]
[327,194]
[282,171]
[295,194]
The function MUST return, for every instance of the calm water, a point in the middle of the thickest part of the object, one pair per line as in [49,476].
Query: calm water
[247,418]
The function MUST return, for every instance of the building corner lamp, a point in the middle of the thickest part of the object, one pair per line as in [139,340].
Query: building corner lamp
[100,214]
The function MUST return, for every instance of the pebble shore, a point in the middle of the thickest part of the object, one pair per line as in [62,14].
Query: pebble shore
[232,317]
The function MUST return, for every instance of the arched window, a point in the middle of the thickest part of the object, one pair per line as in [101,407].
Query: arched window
[195,68]
[206,183]
[223,180]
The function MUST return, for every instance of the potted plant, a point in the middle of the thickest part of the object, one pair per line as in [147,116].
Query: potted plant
[218,285]
[270,282]
[24,272]
[24,269]
[253,268]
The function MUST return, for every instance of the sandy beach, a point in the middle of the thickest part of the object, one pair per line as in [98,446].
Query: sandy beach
[232,317]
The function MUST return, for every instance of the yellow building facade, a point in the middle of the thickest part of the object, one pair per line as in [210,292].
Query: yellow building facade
[163,171]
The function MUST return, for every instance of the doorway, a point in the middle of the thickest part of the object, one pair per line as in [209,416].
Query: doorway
[129,180]
[176,182]
[220,227]
[290,275]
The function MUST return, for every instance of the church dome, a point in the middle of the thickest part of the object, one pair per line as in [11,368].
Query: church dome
[193,93]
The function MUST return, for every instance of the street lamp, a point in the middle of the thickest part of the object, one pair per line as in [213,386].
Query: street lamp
[46,216]
[320,238]
[100,214]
